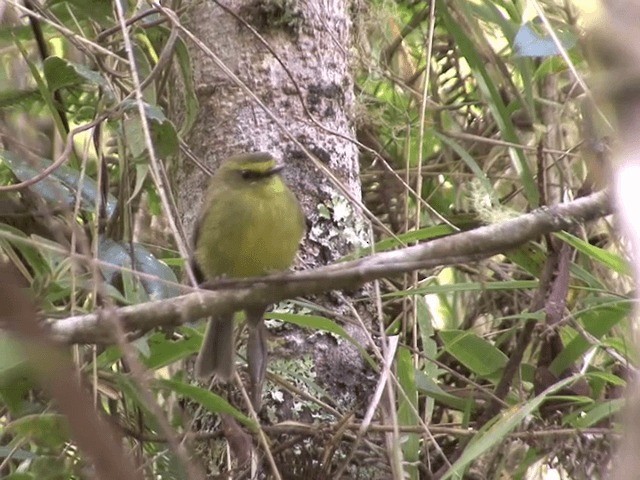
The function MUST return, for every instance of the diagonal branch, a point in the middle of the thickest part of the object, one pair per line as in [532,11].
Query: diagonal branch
[232,295]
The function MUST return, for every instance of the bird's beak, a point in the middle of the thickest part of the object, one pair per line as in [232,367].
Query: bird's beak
[276,169]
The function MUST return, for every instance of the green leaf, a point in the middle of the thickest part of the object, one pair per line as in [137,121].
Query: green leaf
[468,287]
[408,404]
[8,33]
[164,351]
[164,283]
[98,11]
[597,321]
[429,349]
[608,259]
[530,257]
[163,133]
[591,416]
[46,429]
[159,35]
[429,387]
[61,73]
[496,432]
[43,88]
[19,99]
[16,454]
[61,186]
[13,361]
[624,346]
[607,377]
[475,353]
[30,255]
[489,89]
[470,162]
[208,400]
[402,240]
[16,379]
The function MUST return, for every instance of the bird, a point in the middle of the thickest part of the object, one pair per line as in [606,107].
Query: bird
[251,224]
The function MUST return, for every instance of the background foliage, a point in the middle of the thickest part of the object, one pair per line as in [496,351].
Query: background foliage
[469,113]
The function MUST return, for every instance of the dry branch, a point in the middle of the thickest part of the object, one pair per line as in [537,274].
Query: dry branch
[235,295]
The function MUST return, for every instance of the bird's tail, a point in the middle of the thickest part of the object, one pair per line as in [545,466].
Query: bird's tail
[216,356]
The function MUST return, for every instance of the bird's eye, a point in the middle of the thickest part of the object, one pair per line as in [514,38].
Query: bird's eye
[246,174]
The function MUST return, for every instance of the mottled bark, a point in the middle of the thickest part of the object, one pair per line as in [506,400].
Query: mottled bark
[314,101]
[311,39]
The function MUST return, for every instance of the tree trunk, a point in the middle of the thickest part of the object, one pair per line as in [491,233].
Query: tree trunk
[312,101]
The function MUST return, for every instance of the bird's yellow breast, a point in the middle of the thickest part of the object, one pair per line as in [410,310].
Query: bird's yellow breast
[251,231]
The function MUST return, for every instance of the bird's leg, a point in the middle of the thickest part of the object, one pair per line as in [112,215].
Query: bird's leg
[256,354]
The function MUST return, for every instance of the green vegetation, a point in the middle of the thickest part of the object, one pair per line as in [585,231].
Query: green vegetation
[468,114]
